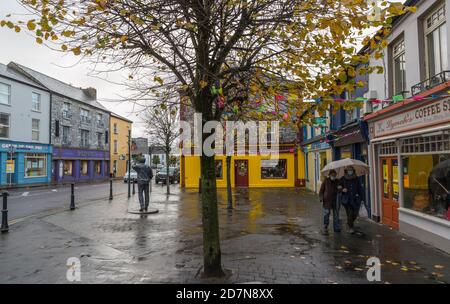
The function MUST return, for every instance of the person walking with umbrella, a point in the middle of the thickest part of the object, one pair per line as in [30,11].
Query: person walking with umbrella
[350,196]
[350,191]
[328,195]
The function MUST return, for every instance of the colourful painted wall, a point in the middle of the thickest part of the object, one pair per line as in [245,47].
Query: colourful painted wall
[122,144]
[191,171]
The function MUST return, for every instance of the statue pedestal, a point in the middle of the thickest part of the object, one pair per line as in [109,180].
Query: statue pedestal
[149,211]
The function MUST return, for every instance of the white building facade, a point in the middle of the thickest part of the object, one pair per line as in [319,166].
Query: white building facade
[409,149]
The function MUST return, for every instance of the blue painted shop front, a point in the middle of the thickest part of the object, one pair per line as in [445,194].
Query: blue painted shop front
[31,163]
[78,165]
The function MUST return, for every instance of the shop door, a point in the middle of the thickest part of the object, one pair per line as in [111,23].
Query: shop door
[390,188]
[241,173]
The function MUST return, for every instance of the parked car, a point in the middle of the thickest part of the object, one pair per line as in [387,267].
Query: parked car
[174,175]
[133,176]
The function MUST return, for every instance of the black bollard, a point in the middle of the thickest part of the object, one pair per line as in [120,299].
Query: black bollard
[110,188]
[200,185]
[134,190]
[5,227]
[72,196]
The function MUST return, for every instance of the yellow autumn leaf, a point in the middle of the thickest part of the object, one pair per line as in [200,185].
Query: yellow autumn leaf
[39,40]
[203,84]
[76,51]
[158,80]
[31,25]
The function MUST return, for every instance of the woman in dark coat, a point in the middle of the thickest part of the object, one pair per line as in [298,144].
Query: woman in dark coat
[350,196]
[328,194]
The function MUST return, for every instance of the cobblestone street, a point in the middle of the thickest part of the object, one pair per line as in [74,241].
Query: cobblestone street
[272,236]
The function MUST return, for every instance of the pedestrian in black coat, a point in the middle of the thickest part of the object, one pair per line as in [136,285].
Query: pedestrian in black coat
[350,196]
[328,194]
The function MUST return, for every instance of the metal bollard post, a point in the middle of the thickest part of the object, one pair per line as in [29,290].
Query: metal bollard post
[5,227]
[134,190]
[200,185]
[72,196]
[110,188]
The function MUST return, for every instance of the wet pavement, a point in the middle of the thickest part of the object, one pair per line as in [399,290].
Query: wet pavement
[271,236]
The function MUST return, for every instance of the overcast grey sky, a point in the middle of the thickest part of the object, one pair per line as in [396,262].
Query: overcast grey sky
[22,48]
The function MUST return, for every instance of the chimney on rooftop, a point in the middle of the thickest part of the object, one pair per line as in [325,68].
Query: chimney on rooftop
[91,92]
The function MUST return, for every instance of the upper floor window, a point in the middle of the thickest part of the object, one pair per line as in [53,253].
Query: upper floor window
[398,67]
[66,110]
[115,129]
[84,116]
[5,93]
[100,140]
[36,102]
[84,138]
[115,146]
[65,135]
[35,129]
[100,120]
[436,41]
[4,125]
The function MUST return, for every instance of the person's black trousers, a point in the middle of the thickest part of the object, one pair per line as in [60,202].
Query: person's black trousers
[352,214]
[143,189]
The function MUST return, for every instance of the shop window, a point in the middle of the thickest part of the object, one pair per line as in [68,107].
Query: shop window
[389,148]
[346,152]
[439,142]
[426,183]
[35,165]
[84,164]
[68,168]
[219,169]
[273,168]
[98,167]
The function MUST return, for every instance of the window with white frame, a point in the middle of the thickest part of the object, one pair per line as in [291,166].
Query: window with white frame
[35,129]
[436,41]
[84,116]
[85,138]
[115,128]
[5,93]
[66,110]
[66,136]
[100,120]
[36,102]
[4,125]
[398,67]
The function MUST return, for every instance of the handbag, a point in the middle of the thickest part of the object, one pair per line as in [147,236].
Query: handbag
[344,198]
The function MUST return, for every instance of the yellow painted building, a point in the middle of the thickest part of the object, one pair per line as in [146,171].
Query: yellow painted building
[118,141]
[250,170]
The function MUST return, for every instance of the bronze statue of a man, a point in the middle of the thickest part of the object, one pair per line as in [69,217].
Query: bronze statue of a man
[144,176]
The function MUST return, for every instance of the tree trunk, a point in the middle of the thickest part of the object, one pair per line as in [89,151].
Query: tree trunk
[167,175]
[211,239]
[229,195]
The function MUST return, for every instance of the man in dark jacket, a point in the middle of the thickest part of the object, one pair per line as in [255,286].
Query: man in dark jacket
[144,176]
[351,196]
[328,194]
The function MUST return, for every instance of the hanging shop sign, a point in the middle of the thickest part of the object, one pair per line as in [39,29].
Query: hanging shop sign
[433,113]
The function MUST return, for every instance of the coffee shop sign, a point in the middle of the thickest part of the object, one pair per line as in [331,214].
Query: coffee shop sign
[434,113]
